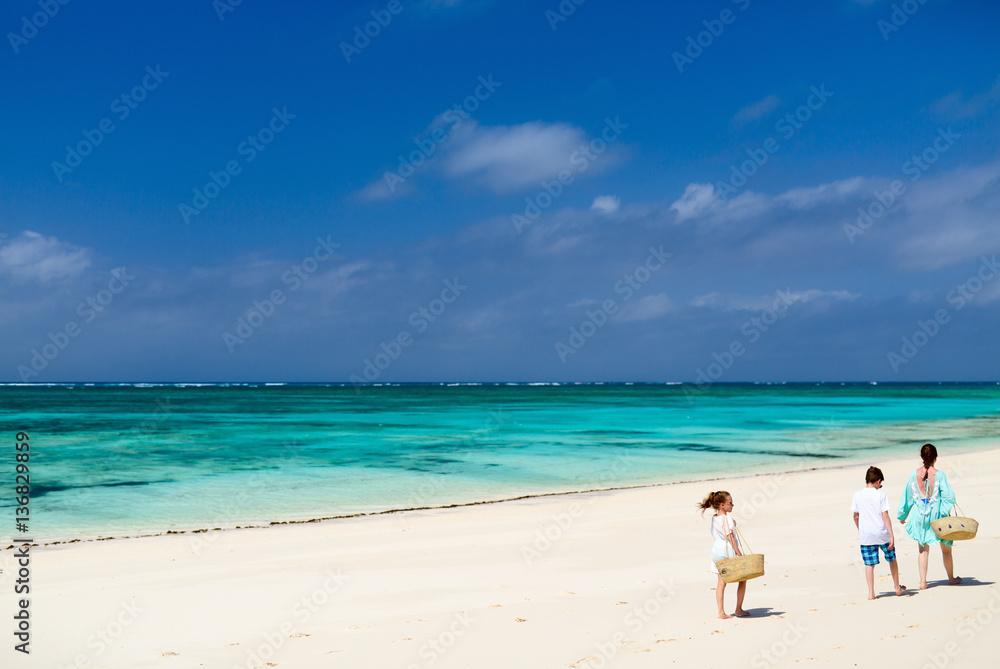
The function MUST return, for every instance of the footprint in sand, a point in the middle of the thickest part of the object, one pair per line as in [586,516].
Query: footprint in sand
[520,620]
[620,603]
[353,627]
[496,606]
[298,635]
[169,653]
[232,644]
[421,620]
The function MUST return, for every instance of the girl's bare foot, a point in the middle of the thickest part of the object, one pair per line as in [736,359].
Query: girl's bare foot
[923,586]
[955,581]
[902,588]
[871,597]
[741,613]
[723,616]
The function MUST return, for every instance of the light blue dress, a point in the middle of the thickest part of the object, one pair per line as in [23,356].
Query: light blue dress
[924,510]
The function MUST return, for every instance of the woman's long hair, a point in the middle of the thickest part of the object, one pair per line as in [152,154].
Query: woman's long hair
[929,455]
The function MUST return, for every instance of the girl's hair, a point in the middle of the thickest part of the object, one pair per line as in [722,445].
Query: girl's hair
[929,455]
[713,501]
[873,474]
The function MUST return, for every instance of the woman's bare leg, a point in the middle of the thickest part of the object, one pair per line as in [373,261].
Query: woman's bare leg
[949,565]
[922,564]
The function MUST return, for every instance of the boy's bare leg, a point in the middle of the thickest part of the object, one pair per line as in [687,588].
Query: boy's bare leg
[870,577]
[922,555]
[720,591]
[741,591]
[949,565]
[894,568]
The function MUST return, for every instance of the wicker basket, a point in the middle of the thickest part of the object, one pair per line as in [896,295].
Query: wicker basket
[955,528]
[741,568]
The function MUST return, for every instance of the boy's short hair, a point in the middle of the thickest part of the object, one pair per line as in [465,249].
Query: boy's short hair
[873,474]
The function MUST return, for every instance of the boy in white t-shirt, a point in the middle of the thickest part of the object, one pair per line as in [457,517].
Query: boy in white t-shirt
[871,516]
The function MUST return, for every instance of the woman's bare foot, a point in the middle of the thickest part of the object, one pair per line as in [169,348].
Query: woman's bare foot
[871,597]
[741,613]
[901,590]
[724,616]
[923,586]
[955,581]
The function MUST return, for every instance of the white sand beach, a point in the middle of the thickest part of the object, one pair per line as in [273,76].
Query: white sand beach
[608,579]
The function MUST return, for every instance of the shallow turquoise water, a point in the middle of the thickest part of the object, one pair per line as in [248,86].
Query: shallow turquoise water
[115,460]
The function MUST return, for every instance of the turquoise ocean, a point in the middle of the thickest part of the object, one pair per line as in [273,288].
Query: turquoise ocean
[120,460]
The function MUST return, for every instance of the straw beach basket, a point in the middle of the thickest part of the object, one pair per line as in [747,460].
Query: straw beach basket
[955,528]
[741,567]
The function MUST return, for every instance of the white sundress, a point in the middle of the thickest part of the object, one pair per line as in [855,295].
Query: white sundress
[719,527]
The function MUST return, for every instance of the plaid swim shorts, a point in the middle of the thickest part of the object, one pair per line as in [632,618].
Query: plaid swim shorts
[870,554]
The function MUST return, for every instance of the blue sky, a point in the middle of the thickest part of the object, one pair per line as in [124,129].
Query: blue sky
[481,190]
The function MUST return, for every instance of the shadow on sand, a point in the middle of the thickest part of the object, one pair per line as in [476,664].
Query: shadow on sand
[966,580]
[763,612]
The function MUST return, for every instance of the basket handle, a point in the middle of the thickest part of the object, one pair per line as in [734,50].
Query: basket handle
[955,506]
[743,541]
[736,532]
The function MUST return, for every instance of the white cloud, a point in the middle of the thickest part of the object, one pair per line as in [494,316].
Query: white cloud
[509,157]
[807,197]
[950,218]
[648,308]
[757,110]
[696,200]
[956,105]
[502,158]
[32,256]
[606,204]
[482,320]
[384,188]
[735,302]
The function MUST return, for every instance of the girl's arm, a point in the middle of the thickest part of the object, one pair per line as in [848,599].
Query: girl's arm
[731,538]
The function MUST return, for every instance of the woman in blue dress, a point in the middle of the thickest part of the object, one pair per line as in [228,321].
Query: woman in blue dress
[927,497]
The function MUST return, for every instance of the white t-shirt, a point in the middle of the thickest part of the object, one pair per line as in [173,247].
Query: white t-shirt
[869,504]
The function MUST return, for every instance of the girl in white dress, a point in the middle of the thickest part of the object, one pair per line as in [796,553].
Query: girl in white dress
[725,545]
